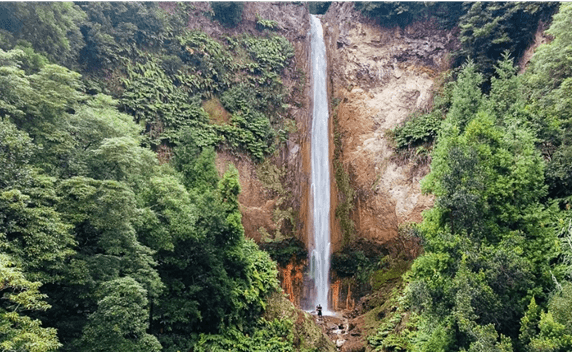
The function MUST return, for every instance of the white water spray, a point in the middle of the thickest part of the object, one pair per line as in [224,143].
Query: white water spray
[320,255]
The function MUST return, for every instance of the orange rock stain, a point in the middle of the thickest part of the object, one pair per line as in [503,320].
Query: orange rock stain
[292,277]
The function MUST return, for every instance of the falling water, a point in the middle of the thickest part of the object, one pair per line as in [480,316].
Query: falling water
[320,255]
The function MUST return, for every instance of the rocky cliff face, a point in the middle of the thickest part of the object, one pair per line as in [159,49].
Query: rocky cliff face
[274,196]
[378,77]
[266,191]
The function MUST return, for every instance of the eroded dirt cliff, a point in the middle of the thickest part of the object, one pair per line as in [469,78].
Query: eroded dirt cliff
[274,196]
[378,77]
[260,199]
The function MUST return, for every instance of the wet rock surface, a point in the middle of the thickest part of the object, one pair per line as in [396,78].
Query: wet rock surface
[343,331]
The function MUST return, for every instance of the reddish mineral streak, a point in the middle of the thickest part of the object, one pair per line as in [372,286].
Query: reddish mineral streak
[335,289]
[292,277]
[341,299]
[350,303]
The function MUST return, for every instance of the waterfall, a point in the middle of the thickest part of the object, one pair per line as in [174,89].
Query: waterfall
[320,254]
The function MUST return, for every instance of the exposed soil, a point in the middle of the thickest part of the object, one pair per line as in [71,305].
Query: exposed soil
[378,77]
[539,38]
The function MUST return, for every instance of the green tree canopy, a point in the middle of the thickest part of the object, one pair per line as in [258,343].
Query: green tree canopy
[19,332]
[488,243]
[121,320]
[53,29]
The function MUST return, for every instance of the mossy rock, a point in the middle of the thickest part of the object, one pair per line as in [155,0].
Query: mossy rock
[307,335]
[391,274]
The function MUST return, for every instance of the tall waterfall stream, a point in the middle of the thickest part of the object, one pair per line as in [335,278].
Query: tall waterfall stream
[320,254]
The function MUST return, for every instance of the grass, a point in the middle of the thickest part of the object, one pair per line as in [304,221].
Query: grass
[217,113]
[386,275]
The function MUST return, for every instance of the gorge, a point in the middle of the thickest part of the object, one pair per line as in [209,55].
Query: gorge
[199,176]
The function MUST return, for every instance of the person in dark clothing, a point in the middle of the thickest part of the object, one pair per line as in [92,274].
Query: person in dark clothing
[319,309]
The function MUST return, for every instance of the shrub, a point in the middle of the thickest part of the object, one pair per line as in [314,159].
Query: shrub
[418,130]
[239,98]
[319,7]
[227,13]
[262,24]
[283,251]
[355,262]
[273,53]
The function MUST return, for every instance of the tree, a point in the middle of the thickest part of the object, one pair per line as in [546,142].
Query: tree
[548,82]
[120,321]
[489,180]
[550,65]
[16,150]
[32,231]
[51,28]
[114,31]
[103,214]
[169,215]
[214,278]
[38,104]
[227,13]
[195,163]
[550,330]
[490,29]
[19,332]
[121,244]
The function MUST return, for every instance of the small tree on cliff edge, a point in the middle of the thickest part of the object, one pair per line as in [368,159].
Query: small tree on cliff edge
[228,14]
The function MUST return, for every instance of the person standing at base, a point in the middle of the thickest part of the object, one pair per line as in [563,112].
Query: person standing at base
[319,309]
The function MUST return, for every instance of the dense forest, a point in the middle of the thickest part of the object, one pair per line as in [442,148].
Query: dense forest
[496,270]
[118,234]
[104,248]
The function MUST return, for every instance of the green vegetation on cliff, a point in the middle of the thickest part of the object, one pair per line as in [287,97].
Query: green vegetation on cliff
[486,29]
[116,231]
[496,270]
